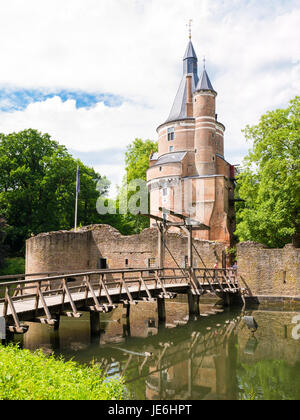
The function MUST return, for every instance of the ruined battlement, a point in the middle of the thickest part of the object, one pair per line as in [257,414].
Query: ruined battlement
[102,246]
[270,272]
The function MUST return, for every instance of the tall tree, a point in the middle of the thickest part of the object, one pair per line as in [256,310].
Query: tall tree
[136,165]
[270,181]
[37,186]
[2,236]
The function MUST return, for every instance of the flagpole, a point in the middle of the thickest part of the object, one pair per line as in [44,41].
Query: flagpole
[76,205]
[76,201]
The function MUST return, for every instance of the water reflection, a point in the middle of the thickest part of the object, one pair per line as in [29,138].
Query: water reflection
[214,357]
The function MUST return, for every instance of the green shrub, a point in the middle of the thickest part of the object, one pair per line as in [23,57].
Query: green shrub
[36,376]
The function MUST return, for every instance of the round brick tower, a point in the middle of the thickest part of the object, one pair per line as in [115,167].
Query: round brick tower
[205,130]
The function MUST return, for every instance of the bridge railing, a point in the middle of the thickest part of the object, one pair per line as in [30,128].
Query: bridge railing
[99,285]
[96,285]
[225,279]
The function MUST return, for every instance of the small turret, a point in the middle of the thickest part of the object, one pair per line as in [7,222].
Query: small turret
[205,131]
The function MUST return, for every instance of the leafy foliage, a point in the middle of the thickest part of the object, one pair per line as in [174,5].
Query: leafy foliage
[13,266]
[270,181]
[2,237]
[38,187]
[136,165]
[35,376]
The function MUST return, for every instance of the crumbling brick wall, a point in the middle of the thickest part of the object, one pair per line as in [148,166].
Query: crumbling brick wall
[69,251]
[270,272]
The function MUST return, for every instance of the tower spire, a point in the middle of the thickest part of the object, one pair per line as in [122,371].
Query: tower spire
[204,82]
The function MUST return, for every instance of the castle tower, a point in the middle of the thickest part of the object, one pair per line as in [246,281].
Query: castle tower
[205,129]
[189,174]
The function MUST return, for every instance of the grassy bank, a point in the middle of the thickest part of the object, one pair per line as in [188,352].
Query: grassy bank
[35,376]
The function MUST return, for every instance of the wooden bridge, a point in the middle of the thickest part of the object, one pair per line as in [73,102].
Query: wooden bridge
[45,298]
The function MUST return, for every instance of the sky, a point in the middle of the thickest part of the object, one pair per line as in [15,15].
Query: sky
[96,74]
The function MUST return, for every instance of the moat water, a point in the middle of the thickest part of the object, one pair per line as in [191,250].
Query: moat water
[214,357]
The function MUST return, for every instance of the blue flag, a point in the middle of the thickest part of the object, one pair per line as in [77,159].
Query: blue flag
[78,181]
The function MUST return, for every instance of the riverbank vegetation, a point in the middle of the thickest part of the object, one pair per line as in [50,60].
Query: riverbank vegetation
[36,376]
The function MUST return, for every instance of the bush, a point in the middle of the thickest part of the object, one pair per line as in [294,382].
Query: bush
[35,376]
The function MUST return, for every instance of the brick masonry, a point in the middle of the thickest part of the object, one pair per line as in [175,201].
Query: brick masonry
[63,250]
[270,272]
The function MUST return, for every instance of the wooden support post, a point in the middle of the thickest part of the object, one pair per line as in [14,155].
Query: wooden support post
[73,306]
[190,247]
[105,290]
[93,294]
[193,301]
[142,282]
[95,323]
[17,328]
[160,247]
[127,290]
[161,309]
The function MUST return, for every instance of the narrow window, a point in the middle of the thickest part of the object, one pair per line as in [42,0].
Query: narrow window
[126,262]
[151,264]
[171,134]
[171,148]
[165,192]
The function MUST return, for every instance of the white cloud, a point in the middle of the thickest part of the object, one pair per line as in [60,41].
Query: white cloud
[133,49]
[85,130]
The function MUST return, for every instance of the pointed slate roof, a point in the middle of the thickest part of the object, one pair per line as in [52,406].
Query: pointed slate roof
[204,82]
[190,66]
[190,52]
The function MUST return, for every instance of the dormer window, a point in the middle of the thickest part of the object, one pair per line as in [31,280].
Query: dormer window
[171,133]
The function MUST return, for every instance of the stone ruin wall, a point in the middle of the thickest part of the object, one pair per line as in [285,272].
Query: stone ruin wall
[64,251]
[270,272]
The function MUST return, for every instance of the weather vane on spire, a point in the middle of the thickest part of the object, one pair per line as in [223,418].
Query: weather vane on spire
[204,62]
[189,25]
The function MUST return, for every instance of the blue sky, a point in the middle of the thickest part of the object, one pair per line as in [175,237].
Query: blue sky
[95,74]
[18,99]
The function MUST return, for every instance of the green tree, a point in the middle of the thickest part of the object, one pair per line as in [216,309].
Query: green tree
[38,187]
[270,180]
[136,165]
[2,236]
